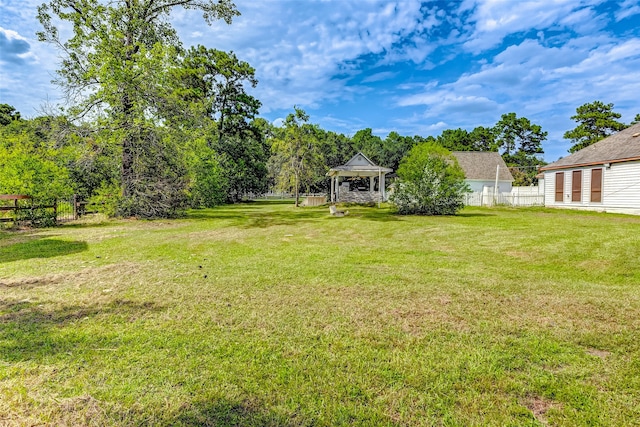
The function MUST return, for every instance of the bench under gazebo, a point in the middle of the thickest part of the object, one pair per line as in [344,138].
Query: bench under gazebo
[358,181]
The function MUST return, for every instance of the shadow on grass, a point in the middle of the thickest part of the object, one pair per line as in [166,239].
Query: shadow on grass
[226,413]
[373,214]
[36,247]
[30,331]
[89,224]
[263,214]
[259,214]
[474,215]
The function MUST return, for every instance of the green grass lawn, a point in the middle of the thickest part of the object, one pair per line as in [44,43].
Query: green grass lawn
[264,314]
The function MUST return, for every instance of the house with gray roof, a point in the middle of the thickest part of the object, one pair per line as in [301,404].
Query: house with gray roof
[480,170]
[604,176]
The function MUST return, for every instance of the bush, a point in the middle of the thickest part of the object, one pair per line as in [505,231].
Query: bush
[29,166]
[431,182]
[37,217]
[106,200]
[208,184]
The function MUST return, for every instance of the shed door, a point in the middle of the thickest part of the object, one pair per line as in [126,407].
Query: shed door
[576,186]
[559,186]
[596,185]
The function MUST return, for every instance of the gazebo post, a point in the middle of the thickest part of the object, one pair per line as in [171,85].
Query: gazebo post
[332,197]
[379,187]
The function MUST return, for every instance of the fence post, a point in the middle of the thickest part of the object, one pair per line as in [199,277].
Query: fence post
[75,206]
[55,211]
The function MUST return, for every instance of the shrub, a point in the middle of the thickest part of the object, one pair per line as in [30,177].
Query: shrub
[431,182]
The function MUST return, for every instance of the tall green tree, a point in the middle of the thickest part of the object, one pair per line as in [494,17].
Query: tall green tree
[337,148]
[8,113]
[297,153]
[243,157]
[216,80]
[636,119]
[116,64]
[479,139]
[596,121]
[455,139]
[208,184]
[520,143]
[483,139]
[367,143]
[394,148]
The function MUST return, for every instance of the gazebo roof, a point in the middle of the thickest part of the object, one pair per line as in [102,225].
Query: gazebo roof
[359,165]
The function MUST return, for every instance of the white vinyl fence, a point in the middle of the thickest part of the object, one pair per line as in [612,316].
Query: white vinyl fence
[519,196]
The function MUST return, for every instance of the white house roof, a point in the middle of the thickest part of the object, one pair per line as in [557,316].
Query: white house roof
[623,146]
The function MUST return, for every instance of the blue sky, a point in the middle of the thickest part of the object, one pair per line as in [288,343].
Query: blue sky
[407,66]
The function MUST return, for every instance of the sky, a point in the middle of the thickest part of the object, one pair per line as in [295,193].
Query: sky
[416,68]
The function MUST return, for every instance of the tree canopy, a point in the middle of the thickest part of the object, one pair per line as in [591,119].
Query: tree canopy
[596,121]
[520,142]
[8,114]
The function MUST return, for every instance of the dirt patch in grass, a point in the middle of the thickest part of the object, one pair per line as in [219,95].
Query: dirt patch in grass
[31,282]
[71,412]
[110,274]
[602,354]
[539,406]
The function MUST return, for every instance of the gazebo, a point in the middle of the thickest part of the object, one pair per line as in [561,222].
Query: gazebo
[353,190]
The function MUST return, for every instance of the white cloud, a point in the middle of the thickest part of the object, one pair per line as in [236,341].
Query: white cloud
[311,51]
[495,19]
[385,75]
[627,8]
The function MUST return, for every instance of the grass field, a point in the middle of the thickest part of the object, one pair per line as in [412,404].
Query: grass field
[264,314]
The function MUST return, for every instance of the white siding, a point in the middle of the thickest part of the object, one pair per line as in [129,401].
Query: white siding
[586,187]
[620,188]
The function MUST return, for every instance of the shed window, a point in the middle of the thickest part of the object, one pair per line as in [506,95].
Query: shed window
[576,186]
[596,185]
[559,186]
